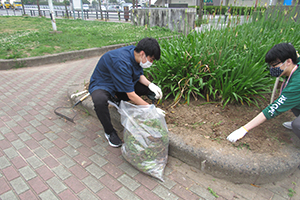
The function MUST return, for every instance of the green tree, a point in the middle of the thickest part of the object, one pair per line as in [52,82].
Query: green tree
[67,2]
[29,2]
[94,4]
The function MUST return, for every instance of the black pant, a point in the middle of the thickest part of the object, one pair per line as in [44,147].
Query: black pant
[100,98]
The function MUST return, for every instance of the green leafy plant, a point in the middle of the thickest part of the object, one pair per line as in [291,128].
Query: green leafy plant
[218,123]
[242,145]
[225,65]
[212,192]
[197,124]
[291,192]
[87,112]
[179,73]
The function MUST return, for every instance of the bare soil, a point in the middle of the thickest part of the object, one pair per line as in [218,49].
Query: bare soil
[208,124]
[201,121]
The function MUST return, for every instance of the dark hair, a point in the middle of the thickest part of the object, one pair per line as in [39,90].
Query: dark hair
[282,52]
[150,46]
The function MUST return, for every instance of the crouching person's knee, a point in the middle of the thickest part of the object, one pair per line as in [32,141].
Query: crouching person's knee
[100,99]
[296,126]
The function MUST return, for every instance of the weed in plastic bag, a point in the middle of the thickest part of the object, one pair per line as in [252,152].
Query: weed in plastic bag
[145,137]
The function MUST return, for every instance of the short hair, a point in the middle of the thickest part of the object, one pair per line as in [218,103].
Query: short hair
[282,52]
[150,46]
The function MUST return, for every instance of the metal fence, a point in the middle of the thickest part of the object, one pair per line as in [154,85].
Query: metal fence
[86,15]
[106,15]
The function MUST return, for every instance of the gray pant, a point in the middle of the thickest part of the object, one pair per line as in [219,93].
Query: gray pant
[296,122]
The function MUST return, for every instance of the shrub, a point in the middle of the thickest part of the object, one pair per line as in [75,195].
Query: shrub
[225,65]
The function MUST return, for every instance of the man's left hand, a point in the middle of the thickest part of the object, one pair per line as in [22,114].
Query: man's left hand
[154,88]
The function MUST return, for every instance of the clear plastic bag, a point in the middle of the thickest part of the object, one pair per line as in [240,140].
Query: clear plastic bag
[145,137]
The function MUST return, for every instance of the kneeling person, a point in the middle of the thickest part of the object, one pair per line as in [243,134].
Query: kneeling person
[119,75]
[283,61]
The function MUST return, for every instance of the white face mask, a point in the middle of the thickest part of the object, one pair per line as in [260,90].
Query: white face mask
[147,64]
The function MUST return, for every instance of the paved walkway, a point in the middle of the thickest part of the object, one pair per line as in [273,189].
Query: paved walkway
[44,157]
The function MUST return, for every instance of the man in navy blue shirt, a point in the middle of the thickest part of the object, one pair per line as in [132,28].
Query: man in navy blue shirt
[119,74]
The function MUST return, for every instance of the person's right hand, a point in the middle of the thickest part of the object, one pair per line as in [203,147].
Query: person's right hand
[237,134]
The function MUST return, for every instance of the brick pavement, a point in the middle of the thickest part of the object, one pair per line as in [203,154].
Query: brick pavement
[45,157]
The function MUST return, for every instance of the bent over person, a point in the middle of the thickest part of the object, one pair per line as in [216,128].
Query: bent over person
[282,59]
[119,76]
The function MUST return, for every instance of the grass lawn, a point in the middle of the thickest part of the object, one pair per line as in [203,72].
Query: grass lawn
[31,36]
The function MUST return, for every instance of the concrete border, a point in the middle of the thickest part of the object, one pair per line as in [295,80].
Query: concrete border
[252,168]
[222,162]
[6,64]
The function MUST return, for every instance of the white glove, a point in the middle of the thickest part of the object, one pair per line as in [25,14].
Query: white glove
[154,88]
[237,134]
[161,112]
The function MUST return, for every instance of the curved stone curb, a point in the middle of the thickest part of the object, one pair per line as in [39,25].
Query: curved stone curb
[235,166]
[222,162]
[57,58]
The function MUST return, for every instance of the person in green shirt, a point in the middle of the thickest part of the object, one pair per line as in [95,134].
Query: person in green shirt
[282,59]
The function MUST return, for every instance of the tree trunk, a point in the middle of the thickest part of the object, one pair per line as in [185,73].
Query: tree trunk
[100,9]
[200,11]
[23,7]
[39,10]
[66,8]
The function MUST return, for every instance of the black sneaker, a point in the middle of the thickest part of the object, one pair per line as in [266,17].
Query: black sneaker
[113,139]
